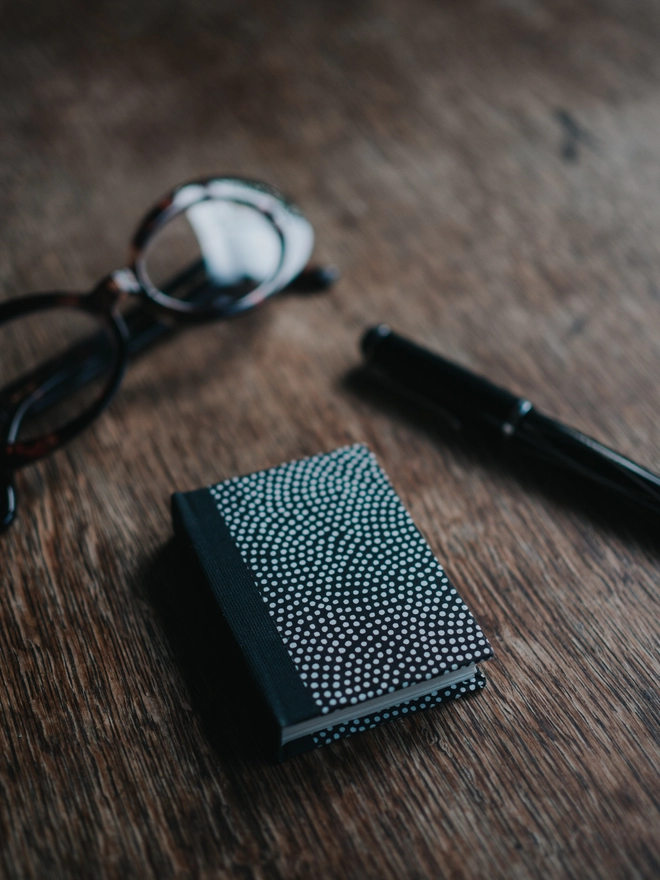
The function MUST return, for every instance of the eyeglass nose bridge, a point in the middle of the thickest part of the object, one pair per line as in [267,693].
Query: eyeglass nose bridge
[113,288]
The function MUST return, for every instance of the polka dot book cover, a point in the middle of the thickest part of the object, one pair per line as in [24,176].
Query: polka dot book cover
[342,617]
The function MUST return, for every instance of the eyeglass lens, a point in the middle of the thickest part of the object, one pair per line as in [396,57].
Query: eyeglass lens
[238,246]
[54,366]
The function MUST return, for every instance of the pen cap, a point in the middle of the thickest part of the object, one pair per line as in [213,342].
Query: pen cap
[477,404]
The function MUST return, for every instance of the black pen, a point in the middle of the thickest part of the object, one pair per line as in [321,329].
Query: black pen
[476,406]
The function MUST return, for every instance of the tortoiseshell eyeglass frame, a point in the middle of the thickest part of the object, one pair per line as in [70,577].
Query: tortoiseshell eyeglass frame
[156,310]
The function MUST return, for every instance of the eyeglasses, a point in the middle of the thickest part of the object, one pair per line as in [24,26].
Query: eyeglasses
[210,249]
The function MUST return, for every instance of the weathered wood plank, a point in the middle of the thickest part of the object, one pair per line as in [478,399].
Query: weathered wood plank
[486,175]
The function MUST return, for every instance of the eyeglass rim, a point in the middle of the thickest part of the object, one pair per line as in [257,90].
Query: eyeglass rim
[18,454]
[293,229]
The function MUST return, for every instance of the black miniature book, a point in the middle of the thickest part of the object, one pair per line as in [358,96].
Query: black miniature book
[338,609]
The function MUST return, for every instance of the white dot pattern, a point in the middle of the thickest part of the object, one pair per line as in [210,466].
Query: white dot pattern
[358,598]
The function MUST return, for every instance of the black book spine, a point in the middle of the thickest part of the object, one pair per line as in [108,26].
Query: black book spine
[259,648]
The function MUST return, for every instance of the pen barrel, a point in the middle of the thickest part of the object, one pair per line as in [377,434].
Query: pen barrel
[493,414]
[479,406]
[547,440]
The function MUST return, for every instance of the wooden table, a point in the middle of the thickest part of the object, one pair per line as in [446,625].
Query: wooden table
[487,177]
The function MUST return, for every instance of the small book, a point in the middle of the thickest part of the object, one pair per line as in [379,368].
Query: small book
[340,614]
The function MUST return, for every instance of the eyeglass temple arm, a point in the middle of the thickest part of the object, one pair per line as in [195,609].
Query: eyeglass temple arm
[87,360]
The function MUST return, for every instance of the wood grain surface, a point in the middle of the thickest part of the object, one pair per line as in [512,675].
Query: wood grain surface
[487,177]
